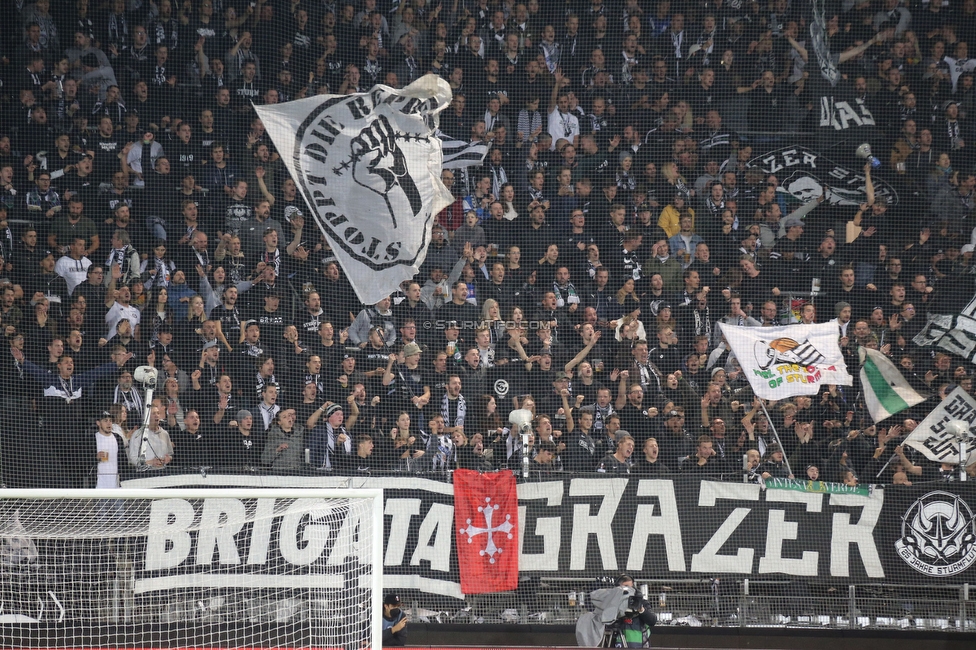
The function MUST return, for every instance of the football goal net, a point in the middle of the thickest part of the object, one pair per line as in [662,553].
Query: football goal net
[191,567]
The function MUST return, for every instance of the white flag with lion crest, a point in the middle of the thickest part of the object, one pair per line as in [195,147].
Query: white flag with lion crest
[368,165]
[782,362]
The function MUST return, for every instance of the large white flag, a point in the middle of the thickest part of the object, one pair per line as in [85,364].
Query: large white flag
[782,362]
[369,167]
[932,437]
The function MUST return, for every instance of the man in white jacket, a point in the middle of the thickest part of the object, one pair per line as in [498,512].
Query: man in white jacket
[150,447]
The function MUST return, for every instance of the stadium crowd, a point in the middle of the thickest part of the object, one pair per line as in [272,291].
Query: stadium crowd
[147,219]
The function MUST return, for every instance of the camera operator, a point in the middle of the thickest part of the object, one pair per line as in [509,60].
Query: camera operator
[621,618]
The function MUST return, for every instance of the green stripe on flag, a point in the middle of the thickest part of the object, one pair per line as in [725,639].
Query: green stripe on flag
[889,400]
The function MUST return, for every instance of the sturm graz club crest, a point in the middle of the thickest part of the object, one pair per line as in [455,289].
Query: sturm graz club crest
[938,535]
[786,350]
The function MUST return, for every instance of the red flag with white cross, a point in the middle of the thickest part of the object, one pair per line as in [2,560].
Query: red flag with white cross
[486,529]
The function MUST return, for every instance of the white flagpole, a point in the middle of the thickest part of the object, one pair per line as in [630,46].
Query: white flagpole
[776,435]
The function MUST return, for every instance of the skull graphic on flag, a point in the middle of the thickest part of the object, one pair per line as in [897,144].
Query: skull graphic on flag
[486,524]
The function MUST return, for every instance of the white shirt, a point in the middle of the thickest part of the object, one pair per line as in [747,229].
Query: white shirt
[73,271]
[562,126]
[134,159]
[108,470]
[117,313]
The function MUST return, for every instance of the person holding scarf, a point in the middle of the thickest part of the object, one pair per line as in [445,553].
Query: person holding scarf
[330,445]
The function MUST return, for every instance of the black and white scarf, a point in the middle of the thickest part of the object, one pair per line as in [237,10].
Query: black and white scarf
[131,400]
[268,414]
[331,435]
[461,410]
[262,382]
[601,415]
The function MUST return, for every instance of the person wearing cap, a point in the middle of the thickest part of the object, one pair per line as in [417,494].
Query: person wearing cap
[108,449]
[345,375]
[842,310]
[775,465]
[674,442]
[379,316]
[394,622]
[331,444]
[240,442]
[405,379]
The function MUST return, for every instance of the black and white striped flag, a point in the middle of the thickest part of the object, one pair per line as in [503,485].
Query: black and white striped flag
[459,154]
[954,333]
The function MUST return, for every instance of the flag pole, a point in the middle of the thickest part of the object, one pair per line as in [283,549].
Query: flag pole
[776,435]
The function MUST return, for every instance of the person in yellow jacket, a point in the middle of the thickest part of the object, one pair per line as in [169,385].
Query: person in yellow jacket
[670,219]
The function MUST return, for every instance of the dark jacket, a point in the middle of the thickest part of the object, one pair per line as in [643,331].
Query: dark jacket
[391,638]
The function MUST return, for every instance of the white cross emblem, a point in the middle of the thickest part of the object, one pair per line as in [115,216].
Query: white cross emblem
[471,531]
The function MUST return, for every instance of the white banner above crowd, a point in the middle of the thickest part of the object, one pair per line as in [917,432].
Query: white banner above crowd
[933,436]
[368,166]
[782,362]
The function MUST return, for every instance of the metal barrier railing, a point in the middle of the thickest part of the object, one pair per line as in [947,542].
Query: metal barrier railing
[744,603]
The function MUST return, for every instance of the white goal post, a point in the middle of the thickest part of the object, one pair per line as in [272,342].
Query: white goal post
[252,567]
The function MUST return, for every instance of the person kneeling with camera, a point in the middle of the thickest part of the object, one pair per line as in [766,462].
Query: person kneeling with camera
[621,618]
